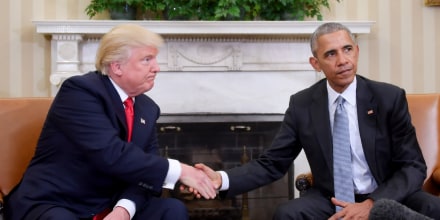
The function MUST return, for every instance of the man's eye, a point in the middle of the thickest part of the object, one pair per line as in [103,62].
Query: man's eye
[330,54]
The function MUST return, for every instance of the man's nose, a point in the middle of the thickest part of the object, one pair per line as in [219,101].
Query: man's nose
[155,66]
[342,59]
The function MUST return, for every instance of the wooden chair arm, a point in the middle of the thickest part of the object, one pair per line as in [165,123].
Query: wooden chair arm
[303,182]
[436,176]
[1,204]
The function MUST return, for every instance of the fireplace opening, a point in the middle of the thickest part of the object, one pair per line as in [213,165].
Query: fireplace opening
[223,142]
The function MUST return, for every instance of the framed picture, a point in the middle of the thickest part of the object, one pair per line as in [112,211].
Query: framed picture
[432,2]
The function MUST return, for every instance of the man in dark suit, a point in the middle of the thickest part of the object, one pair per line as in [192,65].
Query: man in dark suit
[87,161]
[386,160]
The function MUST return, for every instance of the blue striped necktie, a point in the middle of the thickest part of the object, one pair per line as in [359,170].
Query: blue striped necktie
[342,170]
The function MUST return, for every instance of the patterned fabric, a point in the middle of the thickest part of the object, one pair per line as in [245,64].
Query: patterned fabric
[342,170]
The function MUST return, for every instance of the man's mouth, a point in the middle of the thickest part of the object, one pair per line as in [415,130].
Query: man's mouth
[151,78]
[344,71]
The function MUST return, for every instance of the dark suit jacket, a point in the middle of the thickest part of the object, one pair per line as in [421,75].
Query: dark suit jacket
[388,139]
[82,161]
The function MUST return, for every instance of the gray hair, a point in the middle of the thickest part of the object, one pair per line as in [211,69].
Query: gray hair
[327,28]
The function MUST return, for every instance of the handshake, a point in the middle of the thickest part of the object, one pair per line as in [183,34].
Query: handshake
[200,180]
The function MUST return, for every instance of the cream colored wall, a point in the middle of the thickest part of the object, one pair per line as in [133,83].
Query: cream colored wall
[25,55]
[403,48]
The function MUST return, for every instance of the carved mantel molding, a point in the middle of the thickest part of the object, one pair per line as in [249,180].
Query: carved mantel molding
[94,27]
[240,50]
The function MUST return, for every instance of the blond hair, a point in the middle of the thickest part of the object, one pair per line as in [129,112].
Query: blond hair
[118,42]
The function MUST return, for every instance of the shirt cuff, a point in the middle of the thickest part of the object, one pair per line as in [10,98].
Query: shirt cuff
[225,181]
[127,205]
[174,172]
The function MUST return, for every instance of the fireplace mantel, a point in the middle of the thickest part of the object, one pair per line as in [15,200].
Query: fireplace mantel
[206,66]
[264,28]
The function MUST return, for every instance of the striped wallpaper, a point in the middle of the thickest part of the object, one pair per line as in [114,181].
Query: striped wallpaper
[403,48]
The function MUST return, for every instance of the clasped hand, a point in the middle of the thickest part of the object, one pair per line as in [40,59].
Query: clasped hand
[201,181]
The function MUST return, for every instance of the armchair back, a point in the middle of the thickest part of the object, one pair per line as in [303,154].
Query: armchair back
[21,121]
[425,116]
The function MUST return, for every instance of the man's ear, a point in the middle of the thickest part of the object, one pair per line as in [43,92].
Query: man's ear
[315,64]
[115,68]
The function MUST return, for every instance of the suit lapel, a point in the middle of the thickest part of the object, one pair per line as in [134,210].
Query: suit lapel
[367,119]
[367,116]
[140,122]
[321,122]
[116,101]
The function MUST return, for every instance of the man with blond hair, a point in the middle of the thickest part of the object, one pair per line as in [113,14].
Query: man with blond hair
[92,161]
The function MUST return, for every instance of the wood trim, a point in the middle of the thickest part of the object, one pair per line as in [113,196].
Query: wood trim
[432,2]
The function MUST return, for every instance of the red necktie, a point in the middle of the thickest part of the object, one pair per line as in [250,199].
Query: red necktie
[129,115]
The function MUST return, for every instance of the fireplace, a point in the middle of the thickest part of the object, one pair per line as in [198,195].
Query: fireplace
[222,89]
[224,141]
